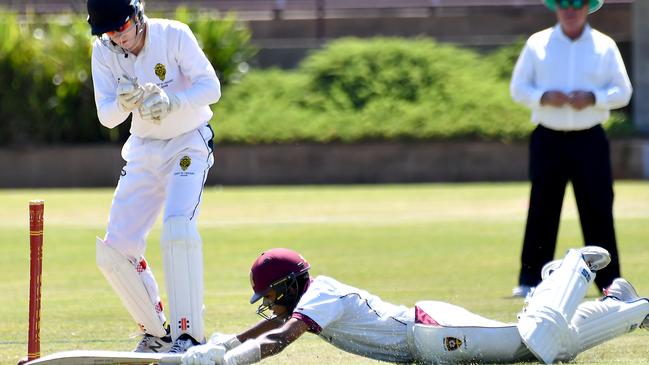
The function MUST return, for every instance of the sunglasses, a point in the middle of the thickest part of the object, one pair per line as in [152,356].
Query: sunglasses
[125,27]
[575,4]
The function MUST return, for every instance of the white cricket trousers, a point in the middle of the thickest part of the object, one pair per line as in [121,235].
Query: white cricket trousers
[169,173]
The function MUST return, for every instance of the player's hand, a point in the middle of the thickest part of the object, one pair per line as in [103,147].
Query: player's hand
[157,104]
[207,354]
[228,341]
[129,93]
[554,98]
[581,99]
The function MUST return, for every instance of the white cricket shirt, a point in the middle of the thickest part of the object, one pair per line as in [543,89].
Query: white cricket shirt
[172,59]
[552,61]
[355,320]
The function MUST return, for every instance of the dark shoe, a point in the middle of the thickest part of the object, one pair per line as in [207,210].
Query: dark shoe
[183,343]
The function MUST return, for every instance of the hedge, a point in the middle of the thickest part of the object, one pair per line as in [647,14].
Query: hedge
[352,90]
[380,89]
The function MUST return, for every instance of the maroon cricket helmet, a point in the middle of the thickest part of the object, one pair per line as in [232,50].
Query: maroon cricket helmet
[273,267]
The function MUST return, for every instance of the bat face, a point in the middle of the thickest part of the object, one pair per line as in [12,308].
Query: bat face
[96,357]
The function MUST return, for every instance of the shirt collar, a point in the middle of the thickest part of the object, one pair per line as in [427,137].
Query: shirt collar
[558,33]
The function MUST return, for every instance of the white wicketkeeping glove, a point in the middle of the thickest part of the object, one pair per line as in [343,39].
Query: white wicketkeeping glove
[157,104]
[207,354]
[228,341]
[129,93]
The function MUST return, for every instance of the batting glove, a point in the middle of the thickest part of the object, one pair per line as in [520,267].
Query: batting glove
[226,340]
[129,93]
[157,104]
[207,354]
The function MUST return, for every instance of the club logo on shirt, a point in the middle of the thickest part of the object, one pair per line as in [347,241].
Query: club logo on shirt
[160,71]
[452,343]
[185,162]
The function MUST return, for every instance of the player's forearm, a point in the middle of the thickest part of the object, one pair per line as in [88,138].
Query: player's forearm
[205,91]
[272,344]
[248,352]
[276,340]
[259,329]
[109,114]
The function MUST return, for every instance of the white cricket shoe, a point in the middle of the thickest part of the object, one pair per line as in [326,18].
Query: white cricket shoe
[183,343]
[150,343]
[596,258]
[621,290]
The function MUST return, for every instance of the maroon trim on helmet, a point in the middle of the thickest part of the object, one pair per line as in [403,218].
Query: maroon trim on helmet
[313,327]
[424,318]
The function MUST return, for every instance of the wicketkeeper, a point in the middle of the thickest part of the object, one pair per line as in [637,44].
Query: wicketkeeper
[154,72]
[554,326]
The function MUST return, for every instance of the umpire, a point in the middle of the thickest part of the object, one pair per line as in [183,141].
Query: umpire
[570,76]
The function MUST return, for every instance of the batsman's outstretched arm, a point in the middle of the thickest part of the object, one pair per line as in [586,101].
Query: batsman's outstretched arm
[259,329]
[250,351]
[276,340]
[268,344]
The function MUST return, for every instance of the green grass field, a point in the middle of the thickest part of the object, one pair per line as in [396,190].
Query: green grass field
[458,243]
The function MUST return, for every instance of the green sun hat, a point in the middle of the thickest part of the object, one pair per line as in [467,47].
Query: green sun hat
[593,5]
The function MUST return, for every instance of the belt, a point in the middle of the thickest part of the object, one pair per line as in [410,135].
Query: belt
[570,132]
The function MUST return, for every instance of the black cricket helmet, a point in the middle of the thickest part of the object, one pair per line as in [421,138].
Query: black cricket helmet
[108,15]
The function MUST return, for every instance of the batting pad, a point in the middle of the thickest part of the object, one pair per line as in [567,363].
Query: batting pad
[454,345]
[565,288]
[445,333]
[543,325]
[546,334]
[601,321]
[182,257]
[124,278]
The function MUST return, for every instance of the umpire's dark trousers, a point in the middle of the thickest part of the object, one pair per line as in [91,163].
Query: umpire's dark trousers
[557,157]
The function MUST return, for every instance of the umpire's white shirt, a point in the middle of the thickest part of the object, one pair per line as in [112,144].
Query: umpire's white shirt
[172,59]
[355,320]
[552,61]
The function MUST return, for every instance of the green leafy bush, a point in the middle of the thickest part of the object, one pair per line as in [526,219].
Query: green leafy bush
[46,69]
[353,90]
[379,89]
[504,59]
[383,89]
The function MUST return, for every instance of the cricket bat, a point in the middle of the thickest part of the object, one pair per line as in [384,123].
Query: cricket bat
[97,357]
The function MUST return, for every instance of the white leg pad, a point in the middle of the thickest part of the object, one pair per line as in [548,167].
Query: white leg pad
[455,335]
[454,345]
[565,288]
[543,325]
[600,321]
[546,334]
[182,257]
[123,276]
